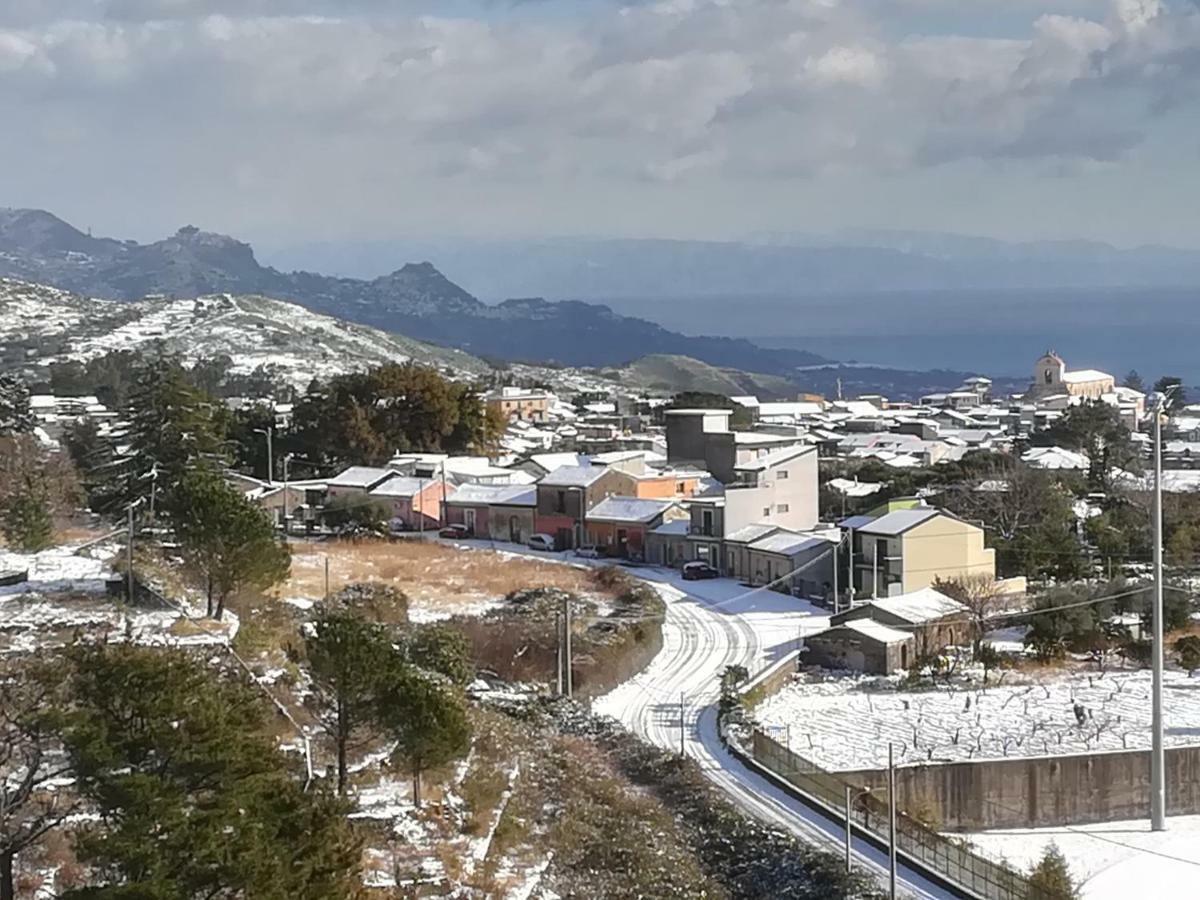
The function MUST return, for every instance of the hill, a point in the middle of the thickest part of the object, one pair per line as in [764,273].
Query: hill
[665,373]
[416,299]
[39,324]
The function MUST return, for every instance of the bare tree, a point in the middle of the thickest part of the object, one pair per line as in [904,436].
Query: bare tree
[982,597]
[33,797]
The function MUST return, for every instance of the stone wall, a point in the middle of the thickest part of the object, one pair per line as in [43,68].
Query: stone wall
[1040,791]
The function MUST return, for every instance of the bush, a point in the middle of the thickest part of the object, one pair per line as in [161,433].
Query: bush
[1050,879]
[374,600]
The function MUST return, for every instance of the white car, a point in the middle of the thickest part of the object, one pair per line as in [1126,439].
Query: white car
[588,552]
[541,542]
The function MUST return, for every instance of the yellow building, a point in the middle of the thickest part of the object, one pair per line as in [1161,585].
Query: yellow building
[1051,376]
[908,549]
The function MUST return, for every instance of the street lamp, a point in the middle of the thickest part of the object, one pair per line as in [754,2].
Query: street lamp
[270,453]
[1158,790]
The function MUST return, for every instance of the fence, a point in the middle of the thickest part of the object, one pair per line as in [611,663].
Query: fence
[978,876]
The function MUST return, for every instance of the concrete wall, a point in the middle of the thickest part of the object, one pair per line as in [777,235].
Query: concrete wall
[843,649]
[1041,791]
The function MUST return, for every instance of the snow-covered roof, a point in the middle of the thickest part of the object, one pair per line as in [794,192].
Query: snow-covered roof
[494,495]
[749,533]
[856,522]
[628,509]
[854,488]
[1082,376]
[360,477]
[402,486]
[573,476]
[788,543]
[774,458]
[899,521]
[871,629]
[552,461]
[678,526]
[1055,458]
[919,607]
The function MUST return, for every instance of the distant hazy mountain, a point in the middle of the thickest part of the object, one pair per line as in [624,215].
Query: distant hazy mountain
[793,266]
[415,300]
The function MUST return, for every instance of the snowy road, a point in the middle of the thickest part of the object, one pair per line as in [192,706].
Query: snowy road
[711,625]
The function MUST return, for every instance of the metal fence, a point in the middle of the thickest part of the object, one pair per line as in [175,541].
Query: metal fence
[982,877]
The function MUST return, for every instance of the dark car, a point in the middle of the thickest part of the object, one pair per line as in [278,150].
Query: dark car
[697,571]
[455,531]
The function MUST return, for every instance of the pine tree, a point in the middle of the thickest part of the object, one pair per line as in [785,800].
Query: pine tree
[427,716]
[1051,879]
[228,540]
[350,660]
[163,748]
[443,649]
[15,415]
[26,520]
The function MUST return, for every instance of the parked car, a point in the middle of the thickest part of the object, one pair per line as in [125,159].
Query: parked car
[541,542]
[698,571]
[455,530]
[588,552]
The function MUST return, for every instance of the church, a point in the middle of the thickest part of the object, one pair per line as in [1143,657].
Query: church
[1051,377]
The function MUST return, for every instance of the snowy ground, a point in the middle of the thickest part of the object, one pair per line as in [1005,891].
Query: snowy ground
[845,722]
[1114,860]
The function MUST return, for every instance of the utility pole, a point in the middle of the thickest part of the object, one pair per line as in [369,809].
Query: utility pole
[327,578]
[850,566]
[567,678]
[682,726]
[1158,792]
[891,825]
[837,599]
[287,457]
[129,555]
[849,820]
[558,668]
[875,571]
[153,489]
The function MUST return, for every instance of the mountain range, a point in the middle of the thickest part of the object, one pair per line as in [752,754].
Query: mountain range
[416,300]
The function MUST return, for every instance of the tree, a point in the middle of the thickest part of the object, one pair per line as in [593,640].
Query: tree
[26,523]
[95,458]
[165,745]
[15,416]
[442,649]
[1057,621]
[32,697]
[982,597]
[1176,396]
[37,487]
[1187,648]
[1050,879]
[351,660]
[225,538]
[988,657]
[428,719]
[349,513]
[1095,429]
[1134,381]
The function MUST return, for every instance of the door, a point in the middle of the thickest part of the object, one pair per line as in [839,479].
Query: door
[622,542]
[514,530]
[469,520]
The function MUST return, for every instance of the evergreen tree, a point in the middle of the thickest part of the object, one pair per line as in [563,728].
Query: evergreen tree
[26,520]
[195,800]
[1134,381]
[36,486]
[225,538]
[442,649]
[1188,650]
[1051,879]
[350,660]
[427,717]
[1095,429]
[15,415]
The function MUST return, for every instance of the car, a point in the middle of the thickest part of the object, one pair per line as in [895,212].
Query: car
[541,542]
[698,571]
[588,552]
[455,530]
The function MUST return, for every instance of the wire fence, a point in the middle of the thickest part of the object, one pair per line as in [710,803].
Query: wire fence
[977,875]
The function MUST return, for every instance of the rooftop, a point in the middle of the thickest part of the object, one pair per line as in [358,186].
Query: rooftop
[494,495]
[899,521]
[918,607]
[573,476]
[871,629]
[360,476]
[628,509]
[788,543]
[750,533]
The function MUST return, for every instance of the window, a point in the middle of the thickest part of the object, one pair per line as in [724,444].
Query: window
[706,522]
[766,510]
[782,473]
[560,502]
[679,487]
[782,507]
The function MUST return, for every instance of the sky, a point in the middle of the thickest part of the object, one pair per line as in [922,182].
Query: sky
[314,120]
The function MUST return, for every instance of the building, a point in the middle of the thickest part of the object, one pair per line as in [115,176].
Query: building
[416,503]
[566,494]
[905,550]
[357,481]
[528,405]
[933,620]
[701,438]
[1051,376]
[861,645]
[618,526]
[496,512]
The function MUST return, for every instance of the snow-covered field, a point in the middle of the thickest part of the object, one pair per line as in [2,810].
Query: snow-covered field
[845,722]
[1113,860]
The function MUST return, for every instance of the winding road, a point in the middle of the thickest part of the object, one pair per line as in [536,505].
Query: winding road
[711,625]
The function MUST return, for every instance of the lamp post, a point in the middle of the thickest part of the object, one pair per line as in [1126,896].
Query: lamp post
[1158,791]
[270,452]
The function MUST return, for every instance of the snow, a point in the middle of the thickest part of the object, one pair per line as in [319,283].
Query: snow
[877,630]
[920,606]
[1114,860]
[57,570]
[848,720]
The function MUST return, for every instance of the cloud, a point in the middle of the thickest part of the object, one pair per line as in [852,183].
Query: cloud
[344,96]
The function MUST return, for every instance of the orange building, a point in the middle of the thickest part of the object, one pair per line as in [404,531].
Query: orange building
[668,484]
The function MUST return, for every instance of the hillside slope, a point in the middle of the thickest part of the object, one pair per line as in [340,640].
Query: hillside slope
[665,373]
[416,300]
[39,324]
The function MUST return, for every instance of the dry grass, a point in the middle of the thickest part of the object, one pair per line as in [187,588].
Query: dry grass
[436,578]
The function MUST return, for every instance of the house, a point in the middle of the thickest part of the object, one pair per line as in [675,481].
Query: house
[673,483]
[539,465]
[905,550]
[415,502]
[667,545]
[779,488]
[1051,376]
[619,525]
[861,645]
[701,438]
[934,620]
[790,562]
[357,481]
[498,512]
[565,495]
[528,405]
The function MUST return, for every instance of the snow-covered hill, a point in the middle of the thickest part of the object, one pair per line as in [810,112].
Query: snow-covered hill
[39,324]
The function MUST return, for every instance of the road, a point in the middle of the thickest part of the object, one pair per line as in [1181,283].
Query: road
[711,625]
